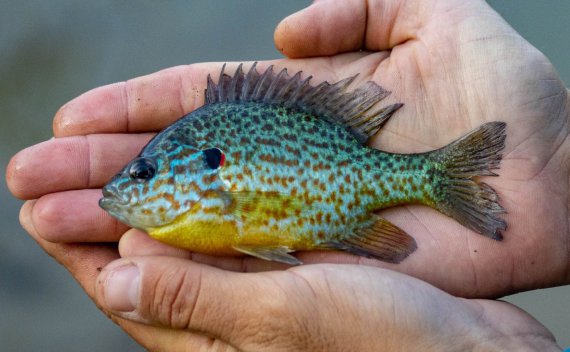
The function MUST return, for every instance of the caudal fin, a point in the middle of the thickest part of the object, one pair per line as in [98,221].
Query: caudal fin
[473,204]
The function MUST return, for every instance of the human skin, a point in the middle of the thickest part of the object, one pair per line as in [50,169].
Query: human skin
[455,65]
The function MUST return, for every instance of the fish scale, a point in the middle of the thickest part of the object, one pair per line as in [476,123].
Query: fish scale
[272,165]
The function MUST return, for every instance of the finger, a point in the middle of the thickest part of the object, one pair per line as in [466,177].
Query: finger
[142,104]
[145,103]
[152,102]
[84,262]
[71,163]
[329,27]
[138,243]
[72,216]
[181,294]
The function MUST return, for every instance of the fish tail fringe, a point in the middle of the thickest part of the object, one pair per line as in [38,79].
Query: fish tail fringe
[473,204]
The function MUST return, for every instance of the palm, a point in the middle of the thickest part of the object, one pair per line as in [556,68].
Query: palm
[449,86]
[461,94]
[448,97]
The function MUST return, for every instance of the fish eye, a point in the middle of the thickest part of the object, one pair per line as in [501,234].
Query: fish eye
[142,169]
[214,158]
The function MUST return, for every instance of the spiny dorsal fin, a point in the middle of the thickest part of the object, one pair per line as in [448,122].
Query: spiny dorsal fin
[353,109]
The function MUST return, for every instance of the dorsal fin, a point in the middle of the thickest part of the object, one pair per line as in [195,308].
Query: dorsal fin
[353,109]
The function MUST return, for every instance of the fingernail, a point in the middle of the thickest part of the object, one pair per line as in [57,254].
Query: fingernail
[122,288]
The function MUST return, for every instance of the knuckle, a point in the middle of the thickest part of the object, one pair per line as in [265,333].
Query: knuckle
[280,320]
[174,299]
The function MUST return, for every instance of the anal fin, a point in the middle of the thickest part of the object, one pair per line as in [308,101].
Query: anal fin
[276,254]
[382,240]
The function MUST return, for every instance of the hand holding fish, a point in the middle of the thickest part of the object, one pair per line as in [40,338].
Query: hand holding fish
[307,308]
[455,64]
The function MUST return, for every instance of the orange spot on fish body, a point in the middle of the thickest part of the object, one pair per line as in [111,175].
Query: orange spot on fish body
[357,201]
[236,155]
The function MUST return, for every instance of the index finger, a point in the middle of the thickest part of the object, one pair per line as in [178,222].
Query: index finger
[152,102]
[142,104]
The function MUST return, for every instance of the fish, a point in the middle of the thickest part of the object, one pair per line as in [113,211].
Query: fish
[272,164]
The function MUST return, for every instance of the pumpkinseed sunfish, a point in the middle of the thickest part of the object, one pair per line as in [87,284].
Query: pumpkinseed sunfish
[271,165]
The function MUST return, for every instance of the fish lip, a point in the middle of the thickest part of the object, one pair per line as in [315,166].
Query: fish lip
[111,196]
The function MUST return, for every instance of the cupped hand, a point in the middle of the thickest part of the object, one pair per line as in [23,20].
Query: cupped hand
[169,303]
[455,65]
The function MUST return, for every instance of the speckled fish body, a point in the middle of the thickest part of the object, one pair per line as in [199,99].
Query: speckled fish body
[265,174]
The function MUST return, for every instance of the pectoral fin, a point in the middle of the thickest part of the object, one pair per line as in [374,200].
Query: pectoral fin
[382,240]
[277,254]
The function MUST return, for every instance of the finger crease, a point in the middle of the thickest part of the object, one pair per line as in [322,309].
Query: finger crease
[89,161]
[126,102]
[365,28]
[182,95]
[198,282]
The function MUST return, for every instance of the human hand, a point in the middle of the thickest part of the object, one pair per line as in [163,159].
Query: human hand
[453,69]
[181,305]
[455,64]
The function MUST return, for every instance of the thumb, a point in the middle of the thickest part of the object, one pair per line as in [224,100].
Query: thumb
[247,311]
[329,27]
[324,28]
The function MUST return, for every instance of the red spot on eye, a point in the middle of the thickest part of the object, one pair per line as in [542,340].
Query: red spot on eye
[222,159]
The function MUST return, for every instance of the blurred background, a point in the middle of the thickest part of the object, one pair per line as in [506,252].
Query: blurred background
[52,51]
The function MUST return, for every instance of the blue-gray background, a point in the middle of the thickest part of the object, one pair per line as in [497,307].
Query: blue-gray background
[51,51]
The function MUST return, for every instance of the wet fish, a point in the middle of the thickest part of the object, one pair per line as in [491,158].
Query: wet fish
[271,165]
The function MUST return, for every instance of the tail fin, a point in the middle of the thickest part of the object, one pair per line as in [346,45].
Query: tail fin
[473,204]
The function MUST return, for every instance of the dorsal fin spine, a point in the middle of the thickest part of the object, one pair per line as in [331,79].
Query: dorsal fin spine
[221,84]
[272,87]
[259,86]
[233,83]
[249,78]
[287,87]
[299,90]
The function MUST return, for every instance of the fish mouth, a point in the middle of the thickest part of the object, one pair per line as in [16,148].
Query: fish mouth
[111,198]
